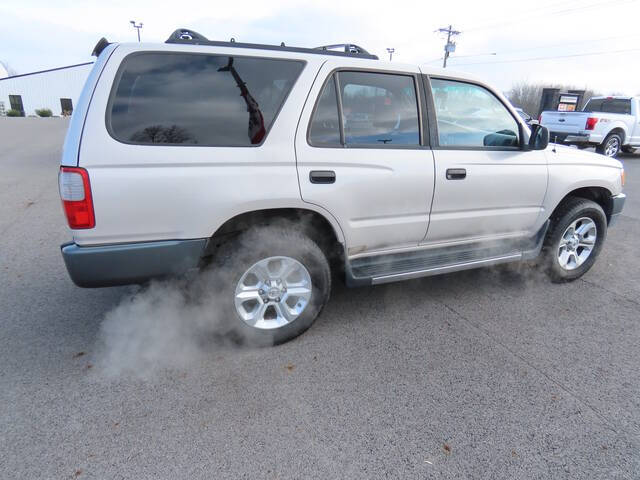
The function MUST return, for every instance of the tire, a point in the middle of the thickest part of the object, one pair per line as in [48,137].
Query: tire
[573,210]
[284,246]
[611,145]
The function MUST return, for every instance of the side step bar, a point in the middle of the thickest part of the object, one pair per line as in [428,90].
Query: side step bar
[404,266]
[445,269]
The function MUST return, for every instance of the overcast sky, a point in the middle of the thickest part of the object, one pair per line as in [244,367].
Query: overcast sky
[43,34]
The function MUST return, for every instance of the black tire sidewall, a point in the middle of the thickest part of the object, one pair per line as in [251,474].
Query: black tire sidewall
[583,208]
[255,245]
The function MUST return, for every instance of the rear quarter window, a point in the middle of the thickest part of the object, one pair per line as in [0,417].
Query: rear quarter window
[198,99]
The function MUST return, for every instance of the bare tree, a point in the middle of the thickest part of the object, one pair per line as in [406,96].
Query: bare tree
[527,95]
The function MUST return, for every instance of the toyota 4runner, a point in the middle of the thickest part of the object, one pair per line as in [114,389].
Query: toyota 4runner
[279,166]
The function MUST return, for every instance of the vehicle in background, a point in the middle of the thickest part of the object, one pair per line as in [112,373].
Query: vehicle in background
[610,124]
[525,116]
[278,169]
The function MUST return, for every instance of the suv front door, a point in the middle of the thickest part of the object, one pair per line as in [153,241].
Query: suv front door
[487,187]
[363,156]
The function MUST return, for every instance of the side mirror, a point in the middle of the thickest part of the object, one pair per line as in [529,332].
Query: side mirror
[539,138]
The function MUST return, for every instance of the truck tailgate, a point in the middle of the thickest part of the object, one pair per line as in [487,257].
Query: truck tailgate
[564,122]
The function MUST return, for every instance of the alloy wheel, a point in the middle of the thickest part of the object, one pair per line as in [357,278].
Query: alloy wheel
[577,243]
[273,292]
[612,147]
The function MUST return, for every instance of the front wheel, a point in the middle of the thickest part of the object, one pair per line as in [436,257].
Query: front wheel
[273,284]
[574,240]
[611,145]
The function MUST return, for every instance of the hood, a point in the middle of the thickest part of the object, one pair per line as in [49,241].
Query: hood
[566,154]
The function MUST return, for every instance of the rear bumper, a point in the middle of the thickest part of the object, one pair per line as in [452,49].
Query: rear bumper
[123,264]
[617,204]
[571,138]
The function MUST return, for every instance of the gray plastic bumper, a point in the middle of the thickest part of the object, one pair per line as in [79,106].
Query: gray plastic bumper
[617,203]
[123,264]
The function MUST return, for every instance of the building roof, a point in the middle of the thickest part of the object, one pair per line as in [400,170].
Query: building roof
[45,71]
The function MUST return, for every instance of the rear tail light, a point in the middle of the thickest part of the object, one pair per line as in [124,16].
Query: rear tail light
[75,192]
[591,123]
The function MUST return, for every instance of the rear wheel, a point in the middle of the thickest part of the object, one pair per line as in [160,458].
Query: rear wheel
[574,240]
[611,145]
[274,283]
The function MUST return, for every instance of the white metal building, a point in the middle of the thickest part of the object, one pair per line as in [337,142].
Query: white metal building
[57,89]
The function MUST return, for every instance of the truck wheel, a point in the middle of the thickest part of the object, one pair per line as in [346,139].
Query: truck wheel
[611,145]
[274,283]
[576,234]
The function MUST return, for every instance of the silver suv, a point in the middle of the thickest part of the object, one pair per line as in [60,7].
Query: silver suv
[277,167]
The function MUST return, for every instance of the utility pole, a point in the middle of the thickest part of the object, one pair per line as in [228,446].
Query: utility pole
[450,46]
[138,27]
[391,50]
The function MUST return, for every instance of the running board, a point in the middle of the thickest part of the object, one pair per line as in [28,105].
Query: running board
[445,269]
[422,263]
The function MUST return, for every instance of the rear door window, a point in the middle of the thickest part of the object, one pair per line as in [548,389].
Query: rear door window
[196,99]
[616,105]
[379,109]
[609,105]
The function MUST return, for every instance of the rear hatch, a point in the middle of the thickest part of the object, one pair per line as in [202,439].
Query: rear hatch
[564,122]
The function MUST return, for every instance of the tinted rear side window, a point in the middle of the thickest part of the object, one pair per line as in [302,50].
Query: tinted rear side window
[195,99]
[609,105]
[617,105]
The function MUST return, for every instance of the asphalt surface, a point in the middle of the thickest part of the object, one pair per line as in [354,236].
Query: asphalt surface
[493,373]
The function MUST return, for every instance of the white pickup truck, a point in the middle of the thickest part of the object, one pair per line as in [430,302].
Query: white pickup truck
[610,124]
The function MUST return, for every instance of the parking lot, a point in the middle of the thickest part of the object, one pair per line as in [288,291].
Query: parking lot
[493,373]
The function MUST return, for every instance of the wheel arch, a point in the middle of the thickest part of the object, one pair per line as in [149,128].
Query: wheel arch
[600,195]
[620,130]
[326,232]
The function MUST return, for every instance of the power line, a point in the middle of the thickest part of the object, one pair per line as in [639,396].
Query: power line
[565,11]
[538,8]
[533,59]
[463,56]
[508,52]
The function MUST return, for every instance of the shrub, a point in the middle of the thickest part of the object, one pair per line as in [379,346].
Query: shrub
[13,113]
[43,112]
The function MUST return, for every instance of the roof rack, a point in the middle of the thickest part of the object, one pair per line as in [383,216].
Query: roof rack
[190,37]
[344,47]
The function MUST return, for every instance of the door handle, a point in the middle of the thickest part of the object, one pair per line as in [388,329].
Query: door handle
[322,176]
[456,173]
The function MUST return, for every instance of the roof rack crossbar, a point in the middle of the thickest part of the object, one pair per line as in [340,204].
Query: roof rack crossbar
[346,47]
[182,35]
[188,36]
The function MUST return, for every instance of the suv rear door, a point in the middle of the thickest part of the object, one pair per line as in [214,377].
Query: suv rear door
[363,155]
[486,186]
